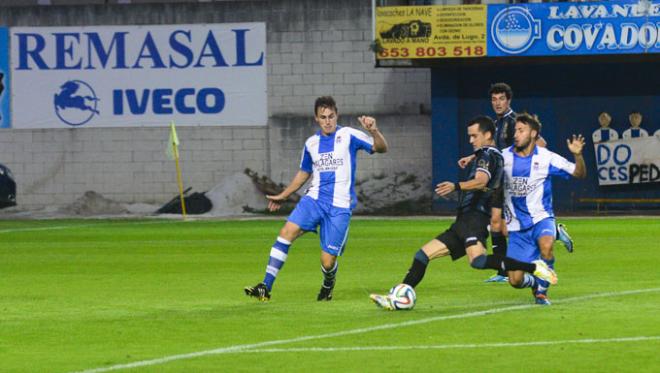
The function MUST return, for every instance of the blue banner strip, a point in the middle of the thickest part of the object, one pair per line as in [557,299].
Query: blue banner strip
[564,29]
[4,78]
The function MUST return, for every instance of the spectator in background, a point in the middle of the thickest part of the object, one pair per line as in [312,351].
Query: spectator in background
[635,130]
[604,133]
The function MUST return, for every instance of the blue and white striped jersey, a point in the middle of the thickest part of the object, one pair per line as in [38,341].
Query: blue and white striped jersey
[528,186]
[332,162]
[632,133]
[604,135]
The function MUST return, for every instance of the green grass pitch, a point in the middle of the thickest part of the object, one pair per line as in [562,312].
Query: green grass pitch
[167,296]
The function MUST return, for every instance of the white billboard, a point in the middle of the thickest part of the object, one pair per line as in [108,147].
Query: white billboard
[628,161]
[138,76]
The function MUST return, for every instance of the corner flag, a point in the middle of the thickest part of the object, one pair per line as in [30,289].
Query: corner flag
[172,150]
[173,153]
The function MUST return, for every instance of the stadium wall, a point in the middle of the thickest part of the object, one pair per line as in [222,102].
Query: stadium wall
[313,48]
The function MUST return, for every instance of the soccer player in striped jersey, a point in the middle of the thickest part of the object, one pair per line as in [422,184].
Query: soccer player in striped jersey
[329,157]
[468,234]
[528,169]
[501,95]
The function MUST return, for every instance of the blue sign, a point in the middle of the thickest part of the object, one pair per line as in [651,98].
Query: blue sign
[4,78]
[549,29]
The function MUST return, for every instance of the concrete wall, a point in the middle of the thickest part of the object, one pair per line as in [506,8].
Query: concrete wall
[313,48]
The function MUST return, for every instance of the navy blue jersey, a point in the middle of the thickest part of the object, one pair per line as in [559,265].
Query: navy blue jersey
[489,160]
[505,127]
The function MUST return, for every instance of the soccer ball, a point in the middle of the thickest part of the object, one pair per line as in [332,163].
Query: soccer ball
[402,297]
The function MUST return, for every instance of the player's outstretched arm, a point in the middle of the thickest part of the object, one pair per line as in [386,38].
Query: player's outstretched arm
[479,182]
[275,202]
[369,124]
[575,145]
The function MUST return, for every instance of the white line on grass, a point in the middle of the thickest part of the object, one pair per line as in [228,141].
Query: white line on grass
[252,346]
[453,346]
[59,227]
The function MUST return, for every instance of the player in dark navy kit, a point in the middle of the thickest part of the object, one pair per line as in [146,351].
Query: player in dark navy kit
[468,234]
[501,95]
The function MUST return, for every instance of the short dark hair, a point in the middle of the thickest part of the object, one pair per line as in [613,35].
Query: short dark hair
[531,120]
[325,102]
[485,123]
[501,88]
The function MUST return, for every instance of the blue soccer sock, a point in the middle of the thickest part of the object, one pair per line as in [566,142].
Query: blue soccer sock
[541,286]
[529,281]
[550,262]
[329,275]
[278,254]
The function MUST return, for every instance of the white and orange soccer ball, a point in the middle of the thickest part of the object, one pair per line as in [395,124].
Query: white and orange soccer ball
[402,297]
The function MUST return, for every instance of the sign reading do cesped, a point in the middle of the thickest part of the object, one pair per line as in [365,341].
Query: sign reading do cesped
[628,161]
[119,76]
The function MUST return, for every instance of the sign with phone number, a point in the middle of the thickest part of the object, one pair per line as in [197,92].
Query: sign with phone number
[431,31]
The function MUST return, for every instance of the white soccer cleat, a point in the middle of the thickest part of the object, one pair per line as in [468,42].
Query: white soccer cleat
[382,301]
[544,272]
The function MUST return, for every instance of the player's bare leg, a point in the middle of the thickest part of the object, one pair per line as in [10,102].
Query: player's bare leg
[545,244]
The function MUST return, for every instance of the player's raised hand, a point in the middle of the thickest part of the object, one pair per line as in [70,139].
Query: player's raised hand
[275,202]
[444,188]
[368,123]
[575,144]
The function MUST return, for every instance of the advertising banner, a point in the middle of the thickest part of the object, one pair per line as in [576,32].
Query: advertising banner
[630,161]
[568,28]
[538,29]
[139,76]
[4,78]
[431,31]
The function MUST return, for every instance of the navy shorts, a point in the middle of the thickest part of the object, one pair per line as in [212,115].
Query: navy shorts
[468,229]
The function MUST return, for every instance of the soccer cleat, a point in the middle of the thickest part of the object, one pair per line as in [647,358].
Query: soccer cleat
[382,301]
[259,291]
[562,235]
[325,294]
[544,272]
[497,278]
[541,299]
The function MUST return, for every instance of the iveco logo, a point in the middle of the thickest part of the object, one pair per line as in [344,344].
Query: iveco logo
[76,103]
[514,29]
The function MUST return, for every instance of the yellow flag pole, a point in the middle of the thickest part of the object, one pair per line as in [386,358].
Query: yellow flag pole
[179,180]
[174,153]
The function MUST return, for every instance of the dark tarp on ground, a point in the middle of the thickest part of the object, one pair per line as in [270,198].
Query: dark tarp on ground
[7,188]
[196,203]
